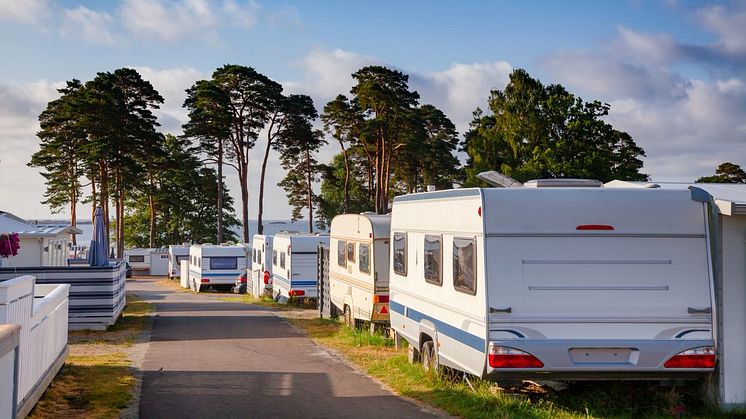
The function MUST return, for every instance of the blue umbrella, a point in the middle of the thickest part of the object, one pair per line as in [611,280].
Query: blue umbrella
[98,254]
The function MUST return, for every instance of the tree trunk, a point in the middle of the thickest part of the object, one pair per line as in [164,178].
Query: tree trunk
[260,214]
[347,178]
[219,236]
[245,205]
[73,214]
[151,205]
[105,199]
[94,201]
[310,191]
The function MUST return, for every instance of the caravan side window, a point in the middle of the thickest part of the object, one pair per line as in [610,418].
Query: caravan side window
[464,265]
[364,264]
[351,252]
[274,257]
[137,258]
[341,253]
[400,253]
[432,258]
[258,256]
[282,260]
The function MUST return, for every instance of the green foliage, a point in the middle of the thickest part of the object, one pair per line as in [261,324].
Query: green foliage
[537,131]
[725,173]
[332,196]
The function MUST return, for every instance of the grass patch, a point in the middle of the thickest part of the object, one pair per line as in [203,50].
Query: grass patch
[376,355]
[97,380]
[266,301]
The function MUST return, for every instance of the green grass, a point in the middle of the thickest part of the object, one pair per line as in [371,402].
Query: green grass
[97,379]
[267,301]
[451,393]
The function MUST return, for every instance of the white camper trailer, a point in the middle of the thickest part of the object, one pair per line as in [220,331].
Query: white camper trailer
[139,260]
[216,265]
[555,283]
[159,262]
[176,254]
[359,267]
[294,269]
[260,277]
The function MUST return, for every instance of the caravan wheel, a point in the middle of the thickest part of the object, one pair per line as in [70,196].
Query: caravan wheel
[429,356]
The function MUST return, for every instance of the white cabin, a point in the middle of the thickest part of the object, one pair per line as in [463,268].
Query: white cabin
[359,267]
[555,283]
[177,253]
[260,277]
[295,265]
[40,244]
[216,265]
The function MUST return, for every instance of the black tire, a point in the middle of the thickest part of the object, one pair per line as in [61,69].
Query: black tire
[429,356]
[349,321]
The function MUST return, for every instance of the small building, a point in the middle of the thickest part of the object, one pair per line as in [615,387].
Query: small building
[159,261]
[41,244]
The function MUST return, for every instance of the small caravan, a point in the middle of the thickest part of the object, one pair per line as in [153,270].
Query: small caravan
[139,260]
[159,261]
[176,253]
[294,265]
[216,265]
[260,277]
[359,267]
[555,282]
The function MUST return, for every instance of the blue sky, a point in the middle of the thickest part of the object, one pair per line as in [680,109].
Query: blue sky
[674,72]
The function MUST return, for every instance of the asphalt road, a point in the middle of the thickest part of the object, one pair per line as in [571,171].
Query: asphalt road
[213,359]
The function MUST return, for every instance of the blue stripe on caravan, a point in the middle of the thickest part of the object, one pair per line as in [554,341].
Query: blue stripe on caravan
[303,283]
[468,339]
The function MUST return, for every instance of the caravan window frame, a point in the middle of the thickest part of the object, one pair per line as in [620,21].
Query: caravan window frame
[231,267]
[464,288]
[282,260]
[438,278]
[342,253]
[138,258]
[399,236]
[364,268]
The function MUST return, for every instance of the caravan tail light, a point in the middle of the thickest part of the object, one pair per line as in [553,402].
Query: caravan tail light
[296,293]
[205,280]
[703,357]
[380,298]
[601,227]
[266,277]
[505,357]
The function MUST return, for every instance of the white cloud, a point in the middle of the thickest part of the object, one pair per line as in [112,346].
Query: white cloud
[92,26]
[243,16]
[329,73]
[729,25]
[171,84]
[169,20]
[24,11]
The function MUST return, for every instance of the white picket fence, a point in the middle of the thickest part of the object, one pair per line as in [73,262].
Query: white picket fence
[42,313]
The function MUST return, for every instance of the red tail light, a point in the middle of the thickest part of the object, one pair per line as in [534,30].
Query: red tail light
[242,280]
[296,293]
[703,357]
[266,277]
[380,298]
[602,227]
[205,280]
[504,357]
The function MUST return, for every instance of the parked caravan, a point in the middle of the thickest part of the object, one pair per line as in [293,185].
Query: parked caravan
[159,260]
[359,267]
[176,253]
[260,277]
[294,259]
[555,283]
[216,265]
[139,260]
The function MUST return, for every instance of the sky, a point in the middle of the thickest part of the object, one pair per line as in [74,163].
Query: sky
[674,72]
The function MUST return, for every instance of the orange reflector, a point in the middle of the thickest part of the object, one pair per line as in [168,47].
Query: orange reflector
[380,298]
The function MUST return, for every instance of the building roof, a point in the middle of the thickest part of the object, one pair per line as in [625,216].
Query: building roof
[10,223]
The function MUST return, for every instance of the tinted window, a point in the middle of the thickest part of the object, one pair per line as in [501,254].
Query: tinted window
[432,258]
[282,260]
[400,253]
[364,264]
[137,258]
[341,253]
[258,256]
[224,263]
[351,252]
[180,258]
[274,257]
[464,265]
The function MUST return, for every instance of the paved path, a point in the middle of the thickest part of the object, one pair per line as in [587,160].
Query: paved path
[213,359]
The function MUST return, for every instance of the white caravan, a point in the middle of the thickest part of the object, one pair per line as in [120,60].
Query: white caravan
[159,262]
[139,260]
[219,265]
[555,283]
[176,253]
[260,277]
[359,267]
[294,265]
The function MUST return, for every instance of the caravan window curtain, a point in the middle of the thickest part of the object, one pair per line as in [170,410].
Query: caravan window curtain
[464,265]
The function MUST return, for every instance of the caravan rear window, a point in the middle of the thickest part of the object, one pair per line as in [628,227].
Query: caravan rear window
[432,257]
[464,265]
[137,258]
[364,264]
[341,253]
[400,253]
[223,263]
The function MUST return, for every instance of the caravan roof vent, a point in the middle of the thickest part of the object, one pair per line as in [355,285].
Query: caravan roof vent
[563,183]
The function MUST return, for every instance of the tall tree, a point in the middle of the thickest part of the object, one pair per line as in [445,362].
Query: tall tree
[209,124]
[284,111]
[725,173]
[297,147]
[252,96]
[343,187]
[343,121]
[60,154]
[537,131]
